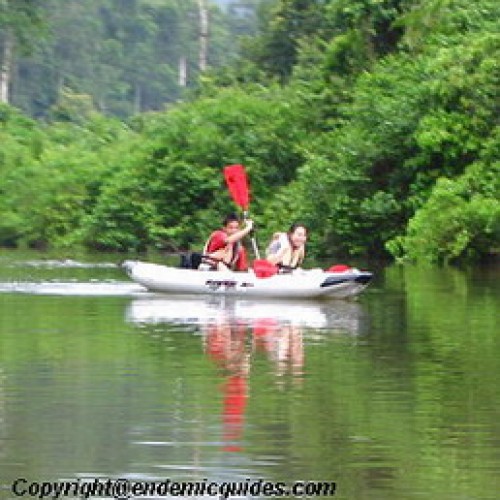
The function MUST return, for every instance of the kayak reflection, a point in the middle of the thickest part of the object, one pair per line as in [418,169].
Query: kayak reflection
[339,315]
[235,333]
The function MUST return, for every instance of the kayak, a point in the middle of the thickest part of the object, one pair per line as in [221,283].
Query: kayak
[300,284]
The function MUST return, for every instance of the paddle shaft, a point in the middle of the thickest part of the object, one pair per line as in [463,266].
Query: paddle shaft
[252,238]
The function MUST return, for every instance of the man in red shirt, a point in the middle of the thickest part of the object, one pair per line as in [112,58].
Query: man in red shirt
[224,250]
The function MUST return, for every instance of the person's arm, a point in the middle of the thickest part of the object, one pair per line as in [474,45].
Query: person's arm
[233,238]
[280,256]
[302,256]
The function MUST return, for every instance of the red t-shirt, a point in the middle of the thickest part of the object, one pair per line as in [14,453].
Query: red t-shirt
[217,241]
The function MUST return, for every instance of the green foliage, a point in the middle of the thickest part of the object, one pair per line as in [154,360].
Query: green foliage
[24,19]
[54,179]
[20,142]
[124,55]
[175,185]
[461,217]
[373,122]
[71,107]
[347,54]
[407,122]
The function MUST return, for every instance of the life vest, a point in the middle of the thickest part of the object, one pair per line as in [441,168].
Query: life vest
[277,244]
[236,246]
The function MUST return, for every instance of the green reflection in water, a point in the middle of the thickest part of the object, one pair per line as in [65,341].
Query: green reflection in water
[403,404]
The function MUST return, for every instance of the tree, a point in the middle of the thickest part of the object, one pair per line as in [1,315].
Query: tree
[204,30]
[20,24]
[130,56]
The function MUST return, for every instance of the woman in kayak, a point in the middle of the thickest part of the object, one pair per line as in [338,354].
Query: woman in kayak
[223,249]
[287,250]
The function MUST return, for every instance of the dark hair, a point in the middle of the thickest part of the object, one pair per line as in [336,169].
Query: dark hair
[230,218]
[295,226]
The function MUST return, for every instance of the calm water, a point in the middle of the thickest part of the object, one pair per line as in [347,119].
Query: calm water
[394,396]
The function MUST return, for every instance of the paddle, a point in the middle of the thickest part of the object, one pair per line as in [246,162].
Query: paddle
[237,182]
[264,269]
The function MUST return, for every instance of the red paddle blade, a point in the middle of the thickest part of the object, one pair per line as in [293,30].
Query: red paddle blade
[236,179]
[264,269]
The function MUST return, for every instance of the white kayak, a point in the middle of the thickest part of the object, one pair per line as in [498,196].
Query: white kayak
[301,284]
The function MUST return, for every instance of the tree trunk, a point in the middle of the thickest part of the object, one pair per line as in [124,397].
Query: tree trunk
[202,6]
[182,71]
[6,46]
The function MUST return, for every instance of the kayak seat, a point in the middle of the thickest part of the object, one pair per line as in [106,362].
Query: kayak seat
[190,260]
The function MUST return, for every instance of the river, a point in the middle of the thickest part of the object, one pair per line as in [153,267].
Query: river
[392,396]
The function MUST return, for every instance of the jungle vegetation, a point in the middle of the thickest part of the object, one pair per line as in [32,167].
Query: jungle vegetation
[374,122]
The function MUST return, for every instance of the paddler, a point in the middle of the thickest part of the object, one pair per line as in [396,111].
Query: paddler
[224,250]
[287,250]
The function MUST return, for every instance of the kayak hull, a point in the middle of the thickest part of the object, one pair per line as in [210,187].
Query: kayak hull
[300,284]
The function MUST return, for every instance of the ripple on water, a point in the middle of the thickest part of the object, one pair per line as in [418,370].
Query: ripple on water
[74,288]
[65,263]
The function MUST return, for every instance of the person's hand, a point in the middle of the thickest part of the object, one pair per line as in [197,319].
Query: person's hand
[249,224]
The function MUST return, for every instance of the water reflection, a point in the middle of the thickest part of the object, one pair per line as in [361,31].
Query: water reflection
[232,346]
[235,333]
[3,432]
[393,397]
[346,316]
[225,345]
[73,288]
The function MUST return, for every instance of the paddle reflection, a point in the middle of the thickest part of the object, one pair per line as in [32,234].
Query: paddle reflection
[232,346]
[225,344]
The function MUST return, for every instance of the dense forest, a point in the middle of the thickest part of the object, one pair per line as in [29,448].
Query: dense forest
[374,122]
